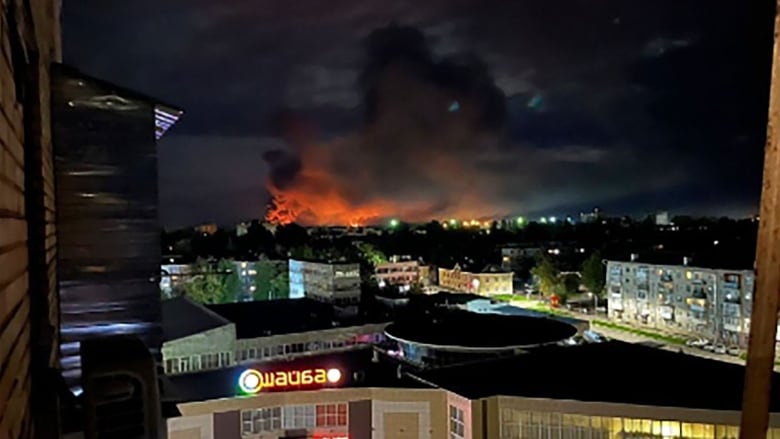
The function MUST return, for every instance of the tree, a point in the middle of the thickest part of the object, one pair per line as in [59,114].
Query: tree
[272,280]
[546,275]
[594,274]
[371,254]
[280,286]
[568,285]
[214,283]
[304,252]
[266,272]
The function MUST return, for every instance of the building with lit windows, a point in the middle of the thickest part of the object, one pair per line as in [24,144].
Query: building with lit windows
[490,281]
[335,283]
[403,274]
[714,304]
[539,395]
[199,338]
[514,255]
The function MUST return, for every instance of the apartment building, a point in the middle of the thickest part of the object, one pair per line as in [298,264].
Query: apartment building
[683,299]
[403,274]
[335,283]
[488,282]
[512,256]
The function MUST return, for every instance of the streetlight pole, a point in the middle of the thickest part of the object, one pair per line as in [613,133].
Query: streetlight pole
[763,321]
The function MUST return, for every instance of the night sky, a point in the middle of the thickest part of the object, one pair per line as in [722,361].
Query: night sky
[361,110]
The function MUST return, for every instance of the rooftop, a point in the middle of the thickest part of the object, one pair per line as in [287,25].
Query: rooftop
[165,115]
[706,260]
[182,317]
[592,372]
[357,366]
[272,317]
[470,330]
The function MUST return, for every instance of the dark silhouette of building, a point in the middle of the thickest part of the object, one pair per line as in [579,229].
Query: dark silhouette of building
[107,216]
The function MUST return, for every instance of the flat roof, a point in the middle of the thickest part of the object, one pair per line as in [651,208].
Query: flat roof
[698,260]
[457,328]
[165,115]
[264,318]
[613,372]
[182,317]
[357,366]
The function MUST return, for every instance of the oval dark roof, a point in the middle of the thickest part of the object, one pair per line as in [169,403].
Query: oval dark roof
[479,331]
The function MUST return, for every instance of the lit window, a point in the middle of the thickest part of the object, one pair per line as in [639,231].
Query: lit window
[261,420]
[457,423]
[331,415]
[299,416]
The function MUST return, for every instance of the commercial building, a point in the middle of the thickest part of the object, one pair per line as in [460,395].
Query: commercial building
[714,304]
[439,338]
[537,395]
[201,338]
[490,281]
[335,283]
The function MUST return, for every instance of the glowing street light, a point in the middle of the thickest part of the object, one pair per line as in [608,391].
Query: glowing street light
[520,220]
[543,220]
[394,223]
[553,219]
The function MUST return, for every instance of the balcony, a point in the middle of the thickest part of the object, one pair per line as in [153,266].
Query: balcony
[696,304]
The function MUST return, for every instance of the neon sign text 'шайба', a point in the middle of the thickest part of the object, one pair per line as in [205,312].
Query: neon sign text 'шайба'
[253,381]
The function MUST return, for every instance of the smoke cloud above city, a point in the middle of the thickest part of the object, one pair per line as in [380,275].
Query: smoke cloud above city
[465,108]
[427,122]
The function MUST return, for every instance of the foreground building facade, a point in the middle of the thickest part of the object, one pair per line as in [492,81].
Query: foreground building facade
[714,304]
[29,44]
[441,414]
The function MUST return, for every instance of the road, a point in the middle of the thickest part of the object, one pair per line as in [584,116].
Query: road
[629,337]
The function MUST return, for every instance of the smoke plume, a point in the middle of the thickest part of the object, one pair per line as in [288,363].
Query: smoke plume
[415,157]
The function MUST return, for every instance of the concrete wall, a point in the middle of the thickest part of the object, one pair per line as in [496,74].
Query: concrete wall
[29,43]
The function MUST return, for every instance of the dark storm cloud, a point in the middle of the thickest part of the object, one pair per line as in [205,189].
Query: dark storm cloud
[605,101]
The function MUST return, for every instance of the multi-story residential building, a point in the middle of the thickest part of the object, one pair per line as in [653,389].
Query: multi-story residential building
[173,276]
[199,338]
[335,283]
[403,274]
[698,302]
[512,256]
[488,282]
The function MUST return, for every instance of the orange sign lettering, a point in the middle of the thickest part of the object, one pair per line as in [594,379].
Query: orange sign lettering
[253,381]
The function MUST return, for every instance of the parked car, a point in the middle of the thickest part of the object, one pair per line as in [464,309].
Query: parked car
[594,337]
[719,349]
[696,343]
[734,351]
[708,347]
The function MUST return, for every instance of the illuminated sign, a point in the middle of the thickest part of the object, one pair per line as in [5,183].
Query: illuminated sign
[253,381]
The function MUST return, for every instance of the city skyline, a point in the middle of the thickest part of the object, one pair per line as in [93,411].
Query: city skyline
[620,107]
